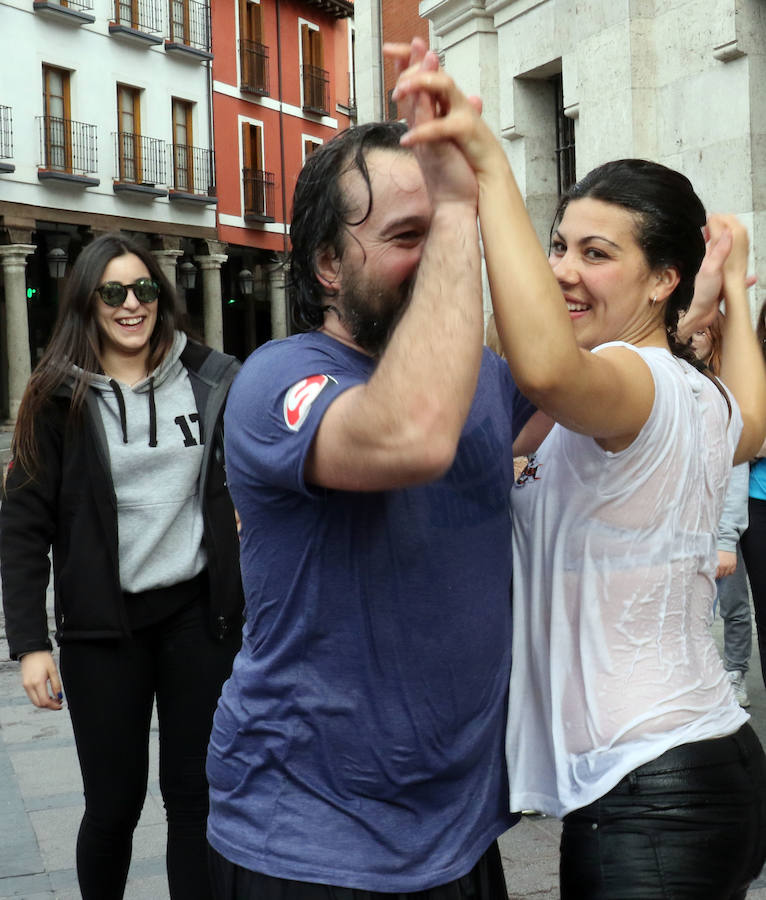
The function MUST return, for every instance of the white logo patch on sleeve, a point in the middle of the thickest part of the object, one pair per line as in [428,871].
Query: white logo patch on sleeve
[299,398]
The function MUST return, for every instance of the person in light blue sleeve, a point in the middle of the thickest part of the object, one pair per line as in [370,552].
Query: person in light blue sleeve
[732,597]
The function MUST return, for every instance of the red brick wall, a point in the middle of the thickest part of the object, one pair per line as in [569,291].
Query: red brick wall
[401,22]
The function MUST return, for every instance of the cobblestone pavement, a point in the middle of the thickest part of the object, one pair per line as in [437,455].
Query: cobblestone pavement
[41,804]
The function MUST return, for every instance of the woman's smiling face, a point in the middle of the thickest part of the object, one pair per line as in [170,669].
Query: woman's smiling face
[125,330]
[603,273]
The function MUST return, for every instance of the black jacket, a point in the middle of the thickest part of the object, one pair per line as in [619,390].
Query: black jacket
[70,506]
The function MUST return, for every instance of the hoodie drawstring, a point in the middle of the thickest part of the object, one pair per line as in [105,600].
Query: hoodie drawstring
[121,403]
[152,415]
[124,419]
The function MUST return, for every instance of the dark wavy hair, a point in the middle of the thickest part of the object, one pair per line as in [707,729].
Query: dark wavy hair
[75,339]
[760,329]
[320,211]
[669,218]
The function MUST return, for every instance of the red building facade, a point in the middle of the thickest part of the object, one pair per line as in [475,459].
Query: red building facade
[282,86]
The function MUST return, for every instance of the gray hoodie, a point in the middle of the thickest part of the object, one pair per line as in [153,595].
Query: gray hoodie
[155,451]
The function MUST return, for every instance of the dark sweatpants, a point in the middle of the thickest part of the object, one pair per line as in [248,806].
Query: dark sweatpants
[110,688]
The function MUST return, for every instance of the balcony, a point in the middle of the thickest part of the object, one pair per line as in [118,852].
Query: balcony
[259,195]
[348,107]
[68,151]
[316,90]
[193,175]
[6,139]
[189,30]
[254,67]
[137,21]
[68,12]
[140,165]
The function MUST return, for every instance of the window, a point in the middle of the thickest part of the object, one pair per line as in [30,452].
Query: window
[179,21]
[57,125]
[183,169]
[315,80]
[130,164]
[254,55]
[258,184]
[126,13]
[310,145]
[565,139]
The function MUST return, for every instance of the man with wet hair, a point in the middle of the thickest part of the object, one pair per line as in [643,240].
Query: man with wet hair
[359,742]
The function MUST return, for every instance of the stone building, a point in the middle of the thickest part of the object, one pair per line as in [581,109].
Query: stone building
[105,125]
[568,85]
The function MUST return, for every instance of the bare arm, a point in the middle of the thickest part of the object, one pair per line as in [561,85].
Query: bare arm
[402,427]
[742,364]
[608,395]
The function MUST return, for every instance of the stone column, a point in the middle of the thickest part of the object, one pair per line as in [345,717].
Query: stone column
[167,260]
[13,259]
[211,297]
[278,303]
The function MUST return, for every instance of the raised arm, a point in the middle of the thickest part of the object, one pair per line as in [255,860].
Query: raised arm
[403,426]
[742,364]
[608,395]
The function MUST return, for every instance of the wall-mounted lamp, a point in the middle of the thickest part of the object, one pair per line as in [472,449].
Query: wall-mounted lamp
[187,275]
[246,282]
[57,260]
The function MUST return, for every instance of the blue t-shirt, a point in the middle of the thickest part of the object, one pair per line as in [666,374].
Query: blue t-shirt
[758,479]
[359,740]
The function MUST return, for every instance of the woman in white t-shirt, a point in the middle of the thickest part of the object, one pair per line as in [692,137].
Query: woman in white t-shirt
[622,720]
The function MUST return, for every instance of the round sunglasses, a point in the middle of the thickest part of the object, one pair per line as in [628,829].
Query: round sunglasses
[113,293]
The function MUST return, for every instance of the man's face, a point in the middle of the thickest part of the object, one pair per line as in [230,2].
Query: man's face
[381,255]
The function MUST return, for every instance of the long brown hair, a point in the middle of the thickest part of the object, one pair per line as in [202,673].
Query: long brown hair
[75,339]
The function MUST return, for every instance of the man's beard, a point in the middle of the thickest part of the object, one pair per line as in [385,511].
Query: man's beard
[371,313]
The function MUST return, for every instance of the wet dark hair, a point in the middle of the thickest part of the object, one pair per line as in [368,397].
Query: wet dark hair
[320,211]
[669,219]
[75,339]
[760,329]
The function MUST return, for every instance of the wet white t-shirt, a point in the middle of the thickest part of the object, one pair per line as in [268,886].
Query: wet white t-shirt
[614,565]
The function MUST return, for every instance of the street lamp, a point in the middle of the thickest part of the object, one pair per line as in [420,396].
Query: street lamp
[57,260]
[246,282]
[187,275]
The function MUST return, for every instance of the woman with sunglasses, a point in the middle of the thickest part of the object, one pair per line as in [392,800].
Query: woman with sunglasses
[117,465]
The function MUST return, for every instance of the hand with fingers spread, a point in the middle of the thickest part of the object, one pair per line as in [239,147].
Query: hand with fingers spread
[40,679]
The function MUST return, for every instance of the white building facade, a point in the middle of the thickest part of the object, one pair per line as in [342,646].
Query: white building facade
[105,125]
[569,84]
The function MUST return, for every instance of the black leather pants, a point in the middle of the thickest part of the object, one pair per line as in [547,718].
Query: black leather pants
[689,824]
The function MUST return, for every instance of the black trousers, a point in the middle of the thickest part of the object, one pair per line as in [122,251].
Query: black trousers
[753,546]
[110,689]
[484,882]
[690,824]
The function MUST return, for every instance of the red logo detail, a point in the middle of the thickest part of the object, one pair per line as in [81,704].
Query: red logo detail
[299,398]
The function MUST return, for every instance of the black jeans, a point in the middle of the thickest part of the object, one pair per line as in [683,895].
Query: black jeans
[485,881]
[110,688]
[690,824]
[753,546]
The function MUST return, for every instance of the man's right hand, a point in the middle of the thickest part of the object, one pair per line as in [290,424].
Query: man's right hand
[40,679]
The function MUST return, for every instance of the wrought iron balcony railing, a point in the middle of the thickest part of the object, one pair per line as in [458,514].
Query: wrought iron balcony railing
[139,159]
[140,15]
[259,194]
[67,146]
[316,89]
[190,23]
[254,66]
[193,170]
[72,4]
[6,132]
[352,93]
